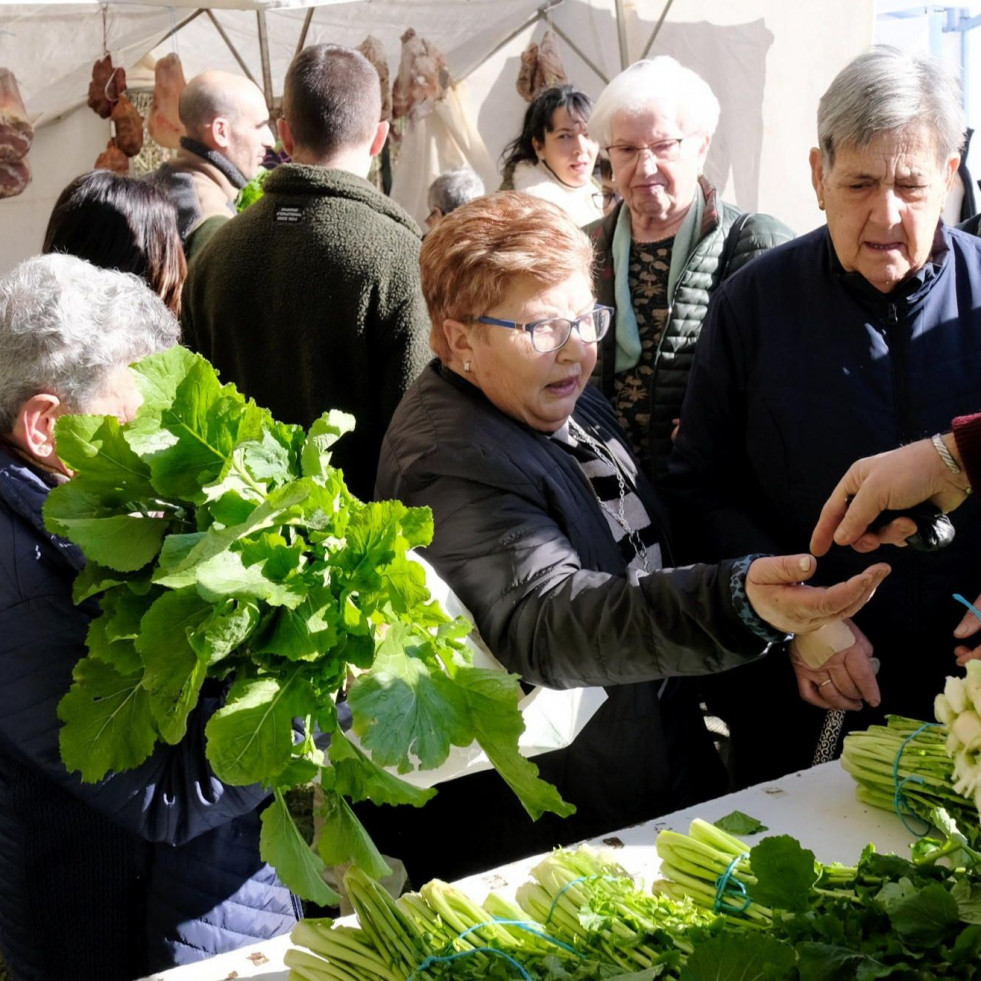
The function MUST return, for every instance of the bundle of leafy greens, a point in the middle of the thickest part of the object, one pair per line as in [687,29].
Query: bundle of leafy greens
[783,916]
[905,767]
[226,551]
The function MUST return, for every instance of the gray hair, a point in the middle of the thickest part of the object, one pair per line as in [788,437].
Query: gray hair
[66,324]
[885,89]
[453,188]
[646,82]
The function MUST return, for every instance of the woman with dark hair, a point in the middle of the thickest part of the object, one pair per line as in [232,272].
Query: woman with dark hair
[121,223]
[553,158]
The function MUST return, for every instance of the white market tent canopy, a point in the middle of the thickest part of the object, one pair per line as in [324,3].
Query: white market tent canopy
[767,60]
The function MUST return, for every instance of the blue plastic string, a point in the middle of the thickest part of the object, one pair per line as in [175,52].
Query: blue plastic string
[448,958]
[728,885]
[899,802]
[570,884]
[968,604]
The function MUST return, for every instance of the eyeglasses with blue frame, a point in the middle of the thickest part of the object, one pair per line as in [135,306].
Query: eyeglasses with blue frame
[552,333]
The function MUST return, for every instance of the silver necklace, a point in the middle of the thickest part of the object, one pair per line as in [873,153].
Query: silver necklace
[619,515]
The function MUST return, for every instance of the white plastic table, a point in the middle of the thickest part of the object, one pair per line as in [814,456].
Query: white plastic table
[817,806]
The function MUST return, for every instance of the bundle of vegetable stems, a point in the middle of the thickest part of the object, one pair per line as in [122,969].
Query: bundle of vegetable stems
[903,767]
[439,932]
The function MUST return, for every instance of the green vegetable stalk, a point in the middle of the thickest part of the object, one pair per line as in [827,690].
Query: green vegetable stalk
[229,557]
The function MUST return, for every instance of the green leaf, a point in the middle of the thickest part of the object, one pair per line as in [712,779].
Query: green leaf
[491,698]
[180,562]
[325,431]
[738,823]
[926,918]
[305,633]
[828,962]
[405,582]
[92,580]
[226,574]
[107,722]
[344,841]
[740,958]
[417,527]
[785,874]
[358,778]
[283,847]
[189,426]
[404,712]
[251,737]
[174,671]
[105,530]
[967,895]
[94,447]
[224,630]
[111,635]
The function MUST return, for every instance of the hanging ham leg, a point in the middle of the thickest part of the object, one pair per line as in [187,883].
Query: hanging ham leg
[16,132]
[129,126]
[164,122]
[15,175]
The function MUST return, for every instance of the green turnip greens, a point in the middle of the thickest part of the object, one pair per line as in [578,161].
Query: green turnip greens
[225,550]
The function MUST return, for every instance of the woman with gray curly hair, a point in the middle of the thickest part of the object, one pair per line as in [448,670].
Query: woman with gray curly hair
[858,337]
[148,868]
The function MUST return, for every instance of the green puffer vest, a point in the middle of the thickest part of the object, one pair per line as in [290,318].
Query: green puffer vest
[702,274]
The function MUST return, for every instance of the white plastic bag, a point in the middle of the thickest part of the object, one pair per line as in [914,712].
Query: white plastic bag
[552,718]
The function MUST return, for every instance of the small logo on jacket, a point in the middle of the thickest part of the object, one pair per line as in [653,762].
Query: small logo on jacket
[289,214]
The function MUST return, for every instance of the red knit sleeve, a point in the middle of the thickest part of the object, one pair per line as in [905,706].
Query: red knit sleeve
[967,434]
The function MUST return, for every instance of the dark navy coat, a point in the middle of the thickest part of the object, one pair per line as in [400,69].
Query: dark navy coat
[801,369]
[149,868]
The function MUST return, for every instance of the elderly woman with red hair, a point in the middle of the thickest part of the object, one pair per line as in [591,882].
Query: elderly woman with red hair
[555,541]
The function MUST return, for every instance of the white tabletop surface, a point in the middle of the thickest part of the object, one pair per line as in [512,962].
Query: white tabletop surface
[817,806]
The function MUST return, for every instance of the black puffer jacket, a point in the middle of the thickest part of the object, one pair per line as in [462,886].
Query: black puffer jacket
[702,274]
[522,541]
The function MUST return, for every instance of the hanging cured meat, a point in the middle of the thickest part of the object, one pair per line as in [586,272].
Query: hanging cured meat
[541,67]
[112,158]
[422,79]
[372,49]
[164,122]
[107,85]
[15,175]
[16,132]
[128,127]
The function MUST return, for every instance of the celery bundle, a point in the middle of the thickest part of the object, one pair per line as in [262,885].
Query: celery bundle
[904,767]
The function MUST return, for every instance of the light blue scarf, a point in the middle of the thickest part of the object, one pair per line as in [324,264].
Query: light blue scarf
[685,239]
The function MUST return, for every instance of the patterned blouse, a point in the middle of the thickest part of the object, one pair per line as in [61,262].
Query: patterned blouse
[648,281]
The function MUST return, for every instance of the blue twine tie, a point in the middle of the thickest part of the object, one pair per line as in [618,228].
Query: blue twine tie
[899,802]
[521,924]
[728,885]
[573,882]
[969,605]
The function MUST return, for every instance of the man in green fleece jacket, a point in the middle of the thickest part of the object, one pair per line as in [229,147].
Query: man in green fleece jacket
[309,300]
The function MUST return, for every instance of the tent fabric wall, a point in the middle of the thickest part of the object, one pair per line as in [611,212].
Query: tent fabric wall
[767,60]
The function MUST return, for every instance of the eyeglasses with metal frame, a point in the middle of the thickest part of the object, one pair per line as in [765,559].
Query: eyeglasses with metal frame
[553,332]
[625,154]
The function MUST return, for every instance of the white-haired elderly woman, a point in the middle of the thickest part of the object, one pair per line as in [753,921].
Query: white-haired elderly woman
[154,866]
[548,531]
[853,339]
[664,250]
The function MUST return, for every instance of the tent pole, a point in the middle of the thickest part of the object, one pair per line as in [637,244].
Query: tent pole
[267,86]
[303,33]
[583,57]
[657,28]
[534,19]
[622,34]
[231,47]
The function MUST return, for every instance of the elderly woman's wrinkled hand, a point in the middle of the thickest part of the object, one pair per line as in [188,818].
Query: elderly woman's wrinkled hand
[775,588]
[844,680]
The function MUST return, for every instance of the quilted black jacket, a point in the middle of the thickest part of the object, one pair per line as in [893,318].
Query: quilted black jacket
[688,305]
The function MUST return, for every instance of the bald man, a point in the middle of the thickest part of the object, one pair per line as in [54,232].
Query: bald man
[228,133]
